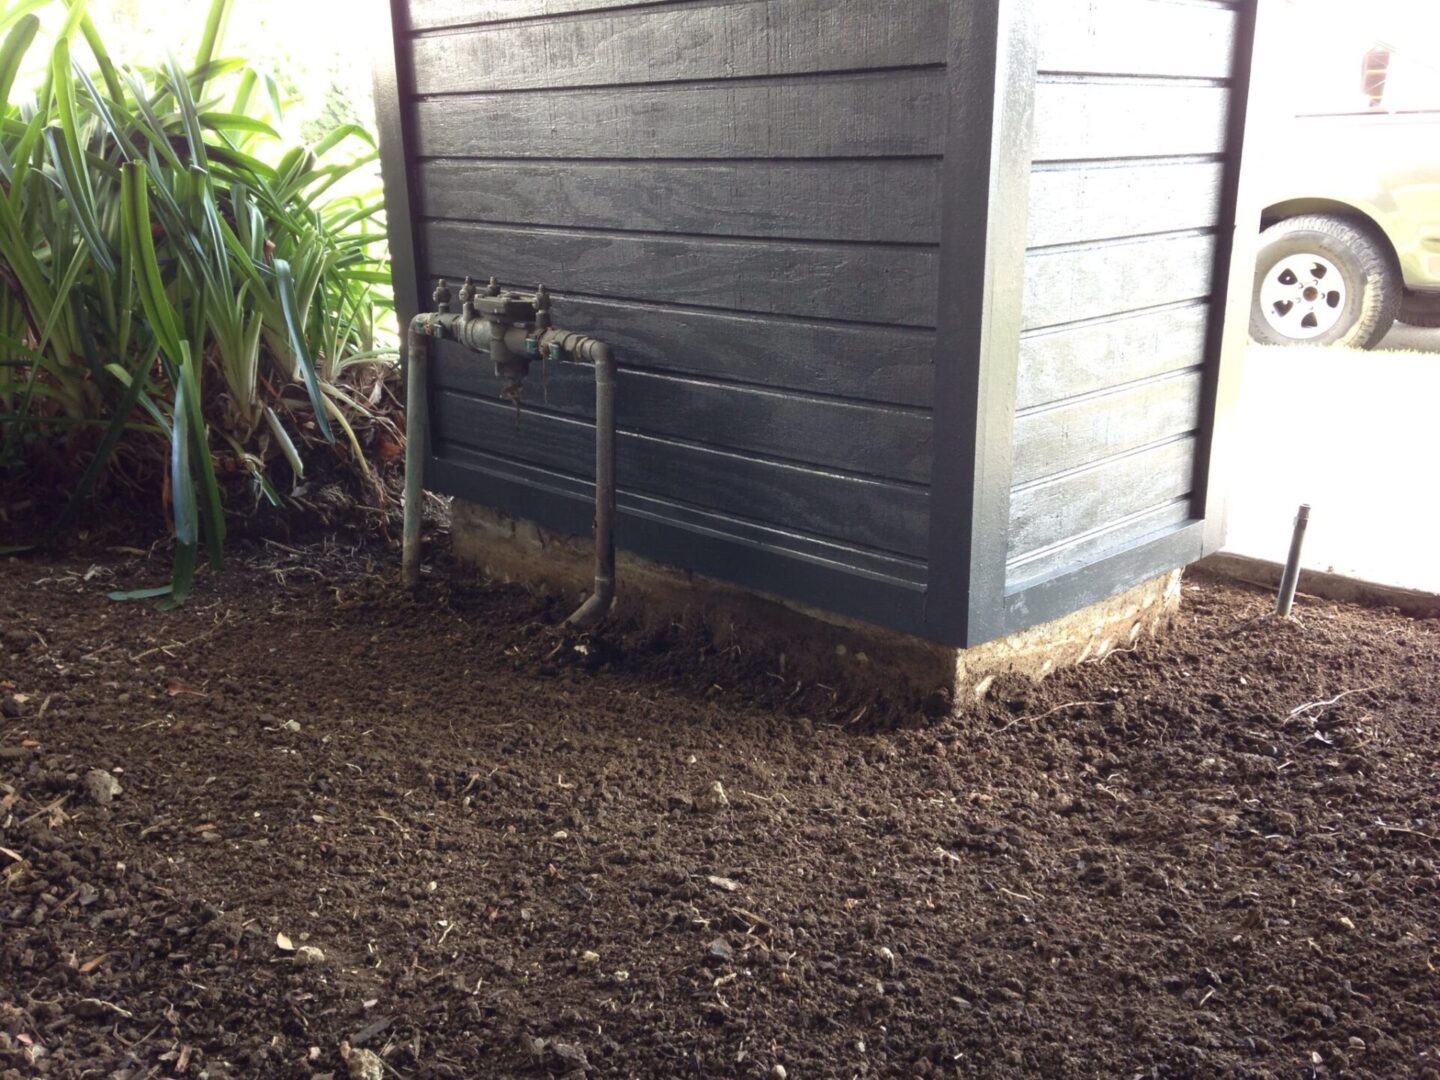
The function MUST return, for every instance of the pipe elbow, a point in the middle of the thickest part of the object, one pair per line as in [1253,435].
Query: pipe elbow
[591,611]
[582,348]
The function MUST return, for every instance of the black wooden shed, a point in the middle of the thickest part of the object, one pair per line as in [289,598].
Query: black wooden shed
[924,309]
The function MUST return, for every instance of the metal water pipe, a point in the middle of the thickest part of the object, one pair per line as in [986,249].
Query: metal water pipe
[513,328]
[1290,578]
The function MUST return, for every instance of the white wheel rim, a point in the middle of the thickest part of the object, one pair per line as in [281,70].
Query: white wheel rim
[1303,296]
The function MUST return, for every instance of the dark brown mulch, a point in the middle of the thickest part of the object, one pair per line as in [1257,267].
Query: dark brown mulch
[1211,856]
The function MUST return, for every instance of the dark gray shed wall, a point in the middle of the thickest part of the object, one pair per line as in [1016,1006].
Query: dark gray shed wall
[743,198]
[749,197]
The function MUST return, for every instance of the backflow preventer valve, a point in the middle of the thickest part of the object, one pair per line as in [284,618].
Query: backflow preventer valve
[514,329]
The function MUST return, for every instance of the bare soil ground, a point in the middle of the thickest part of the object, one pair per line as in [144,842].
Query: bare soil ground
[1215,855]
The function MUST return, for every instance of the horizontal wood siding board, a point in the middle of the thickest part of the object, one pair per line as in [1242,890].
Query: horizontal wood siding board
[436,14]
[684,42]
[884,517]
[782,565]
[754,535]
[1082,501]
[1069,205]
[1065,437]
[1097,545]
[885,365]
[1136,37]
[1072,284]
[877,200]
[870,440]
[1059,364]
[879,114]
[1089,583]
[763,537]
[832,281]
[1086,121]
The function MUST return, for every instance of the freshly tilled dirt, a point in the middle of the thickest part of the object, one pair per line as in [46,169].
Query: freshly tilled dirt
[354,827]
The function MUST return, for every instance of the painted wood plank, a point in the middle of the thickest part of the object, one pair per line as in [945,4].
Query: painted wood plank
[886,517]
[836,578]
[1136,37]
[1078,360]
[1064,285]
[1085,500]
[680,524]
[866,439]
[1070,205]
[1058,595]
[432,14]
[877,200]
[1067,436]
[895,113]
[887,365]
[665,44]
[823,281]
[1092,120]
[1098,545]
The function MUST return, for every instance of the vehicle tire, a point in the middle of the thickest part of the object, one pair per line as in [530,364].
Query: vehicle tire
[1420,309]
[1322,280]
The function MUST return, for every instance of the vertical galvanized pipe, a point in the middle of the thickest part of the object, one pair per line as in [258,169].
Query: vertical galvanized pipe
[1291,578]
[417,436]
[605,477]
[598,605]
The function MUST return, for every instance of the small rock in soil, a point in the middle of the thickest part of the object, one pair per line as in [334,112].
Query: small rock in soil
[10,707]
[309,956]
[568,1057]
[362,1064]
[101,787]
[713,798]
[291,725]
[720,951]
[777,1072]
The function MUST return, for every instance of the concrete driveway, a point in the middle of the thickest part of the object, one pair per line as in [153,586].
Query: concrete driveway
[1356,435]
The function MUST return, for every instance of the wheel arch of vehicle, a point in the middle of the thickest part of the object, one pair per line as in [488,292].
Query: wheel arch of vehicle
[1303,207]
